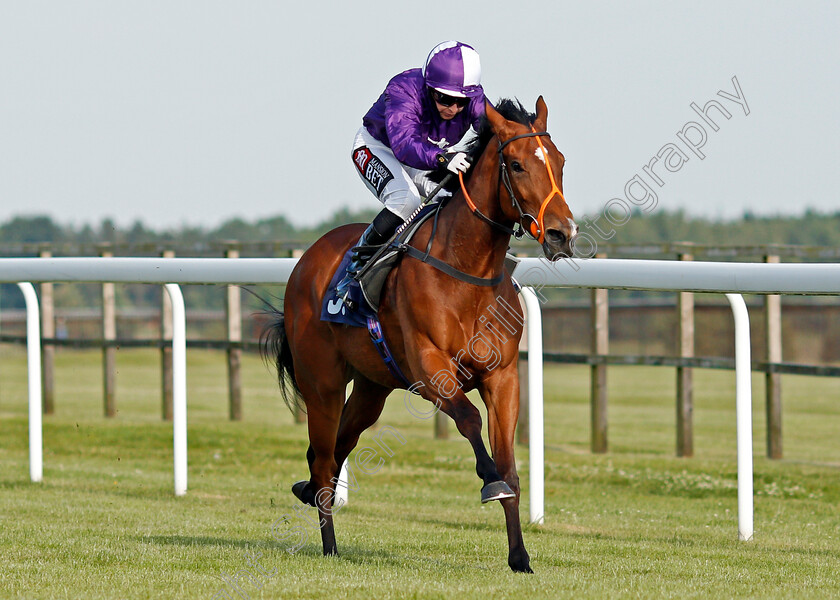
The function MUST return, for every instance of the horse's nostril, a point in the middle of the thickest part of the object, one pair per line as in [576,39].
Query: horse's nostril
[555,236]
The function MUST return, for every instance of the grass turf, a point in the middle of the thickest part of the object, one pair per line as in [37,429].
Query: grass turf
[636,522]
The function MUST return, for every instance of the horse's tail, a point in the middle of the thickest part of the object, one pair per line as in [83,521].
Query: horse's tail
[275,349]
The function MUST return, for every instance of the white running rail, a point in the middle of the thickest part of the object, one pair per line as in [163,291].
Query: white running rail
[732,279]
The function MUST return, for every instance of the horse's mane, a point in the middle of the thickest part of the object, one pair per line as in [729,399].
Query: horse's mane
[512,110]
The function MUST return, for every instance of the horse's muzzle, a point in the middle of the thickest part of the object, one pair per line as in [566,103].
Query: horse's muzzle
[559,243]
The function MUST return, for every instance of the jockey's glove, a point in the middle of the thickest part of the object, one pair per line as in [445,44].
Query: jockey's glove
[456,162]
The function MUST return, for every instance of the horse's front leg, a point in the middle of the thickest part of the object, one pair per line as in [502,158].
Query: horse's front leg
[442,389]
[500,393]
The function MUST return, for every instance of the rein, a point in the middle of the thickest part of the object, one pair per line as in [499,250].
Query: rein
[537,227]
[444,267]
[450,270]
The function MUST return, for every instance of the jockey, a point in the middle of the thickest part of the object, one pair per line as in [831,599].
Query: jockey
[416,126]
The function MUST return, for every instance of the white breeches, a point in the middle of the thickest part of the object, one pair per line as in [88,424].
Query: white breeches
[399,187]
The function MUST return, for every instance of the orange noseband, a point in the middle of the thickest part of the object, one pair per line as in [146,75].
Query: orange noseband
[538,227]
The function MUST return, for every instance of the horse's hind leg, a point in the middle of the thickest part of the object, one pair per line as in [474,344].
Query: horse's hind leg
[324,402]
[334,430]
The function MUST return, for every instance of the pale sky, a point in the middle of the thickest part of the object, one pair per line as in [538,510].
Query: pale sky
[194,112]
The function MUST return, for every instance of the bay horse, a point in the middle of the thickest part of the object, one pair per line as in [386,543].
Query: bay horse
[430,318]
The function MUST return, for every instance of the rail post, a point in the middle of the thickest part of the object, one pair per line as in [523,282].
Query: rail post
[179,387]
[743,415]
[441,426]
[598,372]
[773,381]
[685,388]
[109,335]
[166,349]
[33,359]
[233,312]
[536,442]
[47,331]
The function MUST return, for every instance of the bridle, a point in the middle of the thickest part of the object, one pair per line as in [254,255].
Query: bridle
[536,229]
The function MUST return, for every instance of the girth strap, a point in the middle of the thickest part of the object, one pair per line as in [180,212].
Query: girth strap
[449,269]
[378,339]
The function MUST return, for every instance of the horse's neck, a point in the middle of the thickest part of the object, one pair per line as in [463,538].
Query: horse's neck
[464,239]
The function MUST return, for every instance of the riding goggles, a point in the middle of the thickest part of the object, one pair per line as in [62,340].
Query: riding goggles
[447,101]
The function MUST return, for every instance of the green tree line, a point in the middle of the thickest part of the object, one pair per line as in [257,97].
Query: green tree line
[811,228]
[20,236]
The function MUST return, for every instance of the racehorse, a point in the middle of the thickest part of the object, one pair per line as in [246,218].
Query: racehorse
[431,319]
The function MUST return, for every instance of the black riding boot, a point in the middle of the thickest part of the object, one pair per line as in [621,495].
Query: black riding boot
[378,232]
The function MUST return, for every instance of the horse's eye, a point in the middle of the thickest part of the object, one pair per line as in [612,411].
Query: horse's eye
[516,167]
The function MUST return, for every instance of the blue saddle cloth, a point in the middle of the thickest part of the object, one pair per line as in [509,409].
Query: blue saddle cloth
[333,308]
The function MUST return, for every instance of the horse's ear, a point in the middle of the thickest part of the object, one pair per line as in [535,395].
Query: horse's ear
[542,115]
[500,126]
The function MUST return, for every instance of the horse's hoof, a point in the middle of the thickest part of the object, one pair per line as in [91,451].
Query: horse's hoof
[522,569]
[519,562]
[498,490]
[303,493]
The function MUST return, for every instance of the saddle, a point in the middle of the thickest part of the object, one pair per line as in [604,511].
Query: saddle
[373,275]
[367,292]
